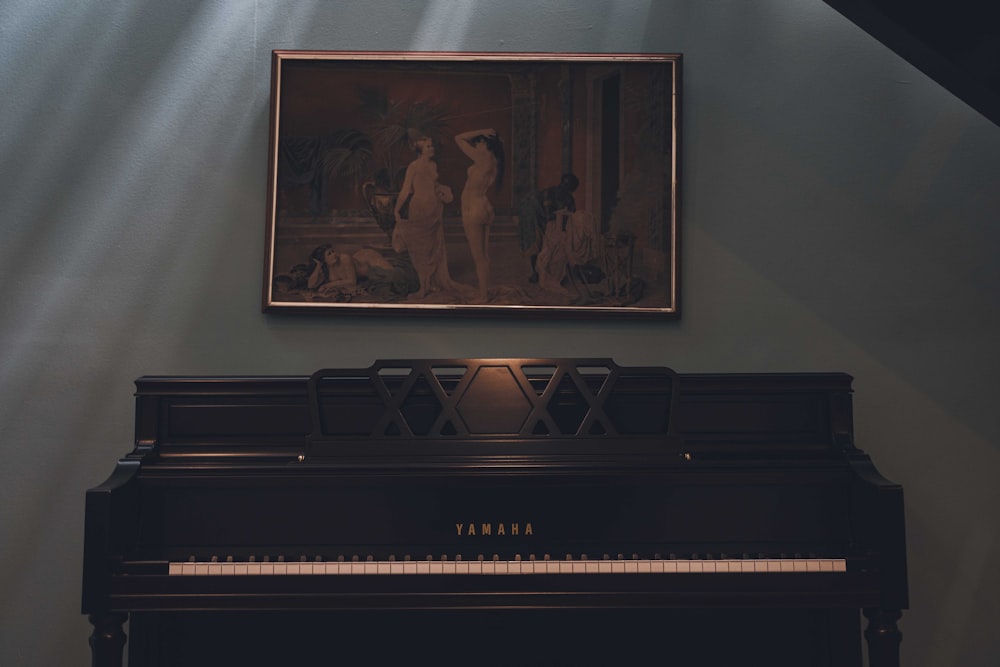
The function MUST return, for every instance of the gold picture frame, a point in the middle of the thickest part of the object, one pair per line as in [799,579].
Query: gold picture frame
[476,184]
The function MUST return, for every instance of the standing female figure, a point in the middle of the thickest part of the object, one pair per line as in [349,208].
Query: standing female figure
[421,233]
[483,147]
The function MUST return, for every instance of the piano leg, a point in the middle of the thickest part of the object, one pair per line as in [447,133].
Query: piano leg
[883,637]
[108,639]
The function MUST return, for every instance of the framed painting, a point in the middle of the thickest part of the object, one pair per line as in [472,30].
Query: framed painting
[473,184]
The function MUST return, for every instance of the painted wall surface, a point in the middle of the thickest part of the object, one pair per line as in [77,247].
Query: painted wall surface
[840,212]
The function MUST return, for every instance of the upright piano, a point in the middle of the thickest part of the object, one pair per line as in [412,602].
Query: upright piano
[495,511]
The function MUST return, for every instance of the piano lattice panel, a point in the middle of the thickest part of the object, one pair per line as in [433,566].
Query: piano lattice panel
[491,398]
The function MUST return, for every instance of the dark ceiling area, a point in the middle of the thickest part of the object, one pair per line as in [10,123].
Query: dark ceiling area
[955,43]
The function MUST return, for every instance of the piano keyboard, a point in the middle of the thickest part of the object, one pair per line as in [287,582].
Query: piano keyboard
[508,567]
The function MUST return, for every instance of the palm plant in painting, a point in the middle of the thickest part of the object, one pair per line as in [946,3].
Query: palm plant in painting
[374,157]
[393,124]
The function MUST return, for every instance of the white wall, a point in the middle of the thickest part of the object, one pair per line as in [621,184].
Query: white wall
[840,212]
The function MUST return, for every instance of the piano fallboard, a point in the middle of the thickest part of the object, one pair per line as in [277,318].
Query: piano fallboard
[334,512]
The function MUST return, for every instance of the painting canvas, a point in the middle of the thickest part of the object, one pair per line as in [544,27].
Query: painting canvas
[473,184]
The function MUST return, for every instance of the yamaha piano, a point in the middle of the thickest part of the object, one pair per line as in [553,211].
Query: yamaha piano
[495,511]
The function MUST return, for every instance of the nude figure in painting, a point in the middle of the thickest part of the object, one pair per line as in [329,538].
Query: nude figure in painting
[421,233]
[485,150]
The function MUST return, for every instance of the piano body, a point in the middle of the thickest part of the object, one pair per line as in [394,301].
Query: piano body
[474,507]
